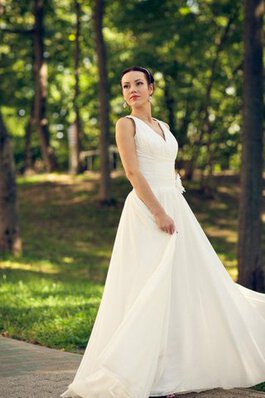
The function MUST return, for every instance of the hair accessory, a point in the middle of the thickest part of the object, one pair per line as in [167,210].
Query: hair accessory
[151,80]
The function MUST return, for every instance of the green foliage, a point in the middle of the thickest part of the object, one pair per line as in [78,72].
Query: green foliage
[178,40]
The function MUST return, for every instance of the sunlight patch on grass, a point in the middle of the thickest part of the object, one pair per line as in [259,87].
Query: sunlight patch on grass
[60,179]
[43,266]
[68,260]
[225,234]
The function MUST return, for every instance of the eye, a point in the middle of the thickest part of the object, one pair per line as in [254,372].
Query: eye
[139,83]
[125,86]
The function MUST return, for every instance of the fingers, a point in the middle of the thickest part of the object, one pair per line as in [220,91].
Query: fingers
[169,229]
[167,225]
[173,228]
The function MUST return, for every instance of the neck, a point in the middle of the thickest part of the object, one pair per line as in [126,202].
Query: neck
[143,113]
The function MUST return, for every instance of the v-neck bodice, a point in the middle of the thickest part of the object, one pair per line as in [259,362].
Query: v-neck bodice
[160,125]
[155,154]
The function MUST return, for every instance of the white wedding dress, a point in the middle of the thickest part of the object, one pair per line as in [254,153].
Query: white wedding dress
[171,318]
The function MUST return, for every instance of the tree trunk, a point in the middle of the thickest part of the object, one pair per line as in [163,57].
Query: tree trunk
[251,269]
[40,71]
[105,182]
[170,105]
[28,164]
[10,241]
[75,164]
[203,113]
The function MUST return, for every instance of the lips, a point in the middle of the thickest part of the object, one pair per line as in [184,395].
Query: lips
[134,97]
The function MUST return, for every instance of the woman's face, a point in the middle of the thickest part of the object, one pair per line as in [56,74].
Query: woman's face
[135,88]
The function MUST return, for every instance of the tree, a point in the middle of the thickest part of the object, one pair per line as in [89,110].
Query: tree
[75,164]
[104,191]
[205,126]
[195,50]
[9,231]
[28,164]
[41,71]
[251,270]
[180,46]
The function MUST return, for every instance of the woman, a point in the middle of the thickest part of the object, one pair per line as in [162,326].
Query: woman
[171,319]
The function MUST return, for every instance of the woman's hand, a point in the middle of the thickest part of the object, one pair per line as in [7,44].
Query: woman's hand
[165,223]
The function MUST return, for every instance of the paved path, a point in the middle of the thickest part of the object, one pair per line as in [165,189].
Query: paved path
[33,371]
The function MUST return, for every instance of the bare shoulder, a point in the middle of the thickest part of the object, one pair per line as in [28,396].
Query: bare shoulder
[125,125]
[124,122]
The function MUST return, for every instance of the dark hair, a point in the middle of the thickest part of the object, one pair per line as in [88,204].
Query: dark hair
[148,75]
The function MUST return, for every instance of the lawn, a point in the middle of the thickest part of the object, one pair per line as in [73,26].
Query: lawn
[51,294]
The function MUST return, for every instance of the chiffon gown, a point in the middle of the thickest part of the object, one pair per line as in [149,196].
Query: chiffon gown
[171,319]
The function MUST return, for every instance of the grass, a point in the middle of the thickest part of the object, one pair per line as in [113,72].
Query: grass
[48,309]
[50,295]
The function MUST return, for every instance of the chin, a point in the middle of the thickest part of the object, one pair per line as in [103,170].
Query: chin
[138,105]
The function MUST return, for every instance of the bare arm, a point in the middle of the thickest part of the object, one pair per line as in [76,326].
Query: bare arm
[126,146]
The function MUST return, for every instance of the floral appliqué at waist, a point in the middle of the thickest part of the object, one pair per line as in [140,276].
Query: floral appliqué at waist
[178,183]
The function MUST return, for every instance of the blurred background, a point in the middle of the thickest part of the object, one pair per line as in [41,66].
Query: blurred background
[62,186]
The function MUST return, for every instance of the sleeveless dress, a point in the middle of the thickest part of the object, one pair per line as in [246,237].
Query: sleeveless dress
[171,319]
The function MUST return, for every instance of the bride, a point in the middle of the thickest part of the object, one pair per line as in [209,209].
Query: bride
[171,319]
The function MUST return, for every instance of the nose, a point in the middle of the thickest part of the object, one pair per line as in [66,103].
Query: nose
[132,89]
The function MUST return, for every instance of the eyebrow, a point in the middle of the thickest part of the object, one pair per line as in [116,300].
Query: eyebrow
[134,80]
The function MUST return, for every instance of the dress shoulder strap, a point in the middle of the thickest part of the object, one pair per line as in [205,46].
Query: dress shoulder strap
[133,120]
[130,117]
[161,121]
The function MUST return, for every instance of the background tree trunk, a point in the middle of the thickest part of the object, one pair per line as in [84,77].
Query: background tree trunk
[204,125]
[10,241]
[104,192]
[28,163]
[170,105]
[251,271]
[40,71]
[75,164]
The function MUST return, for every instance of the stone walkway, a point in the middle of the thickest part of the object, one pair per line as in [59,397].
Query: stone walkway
[33,371]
